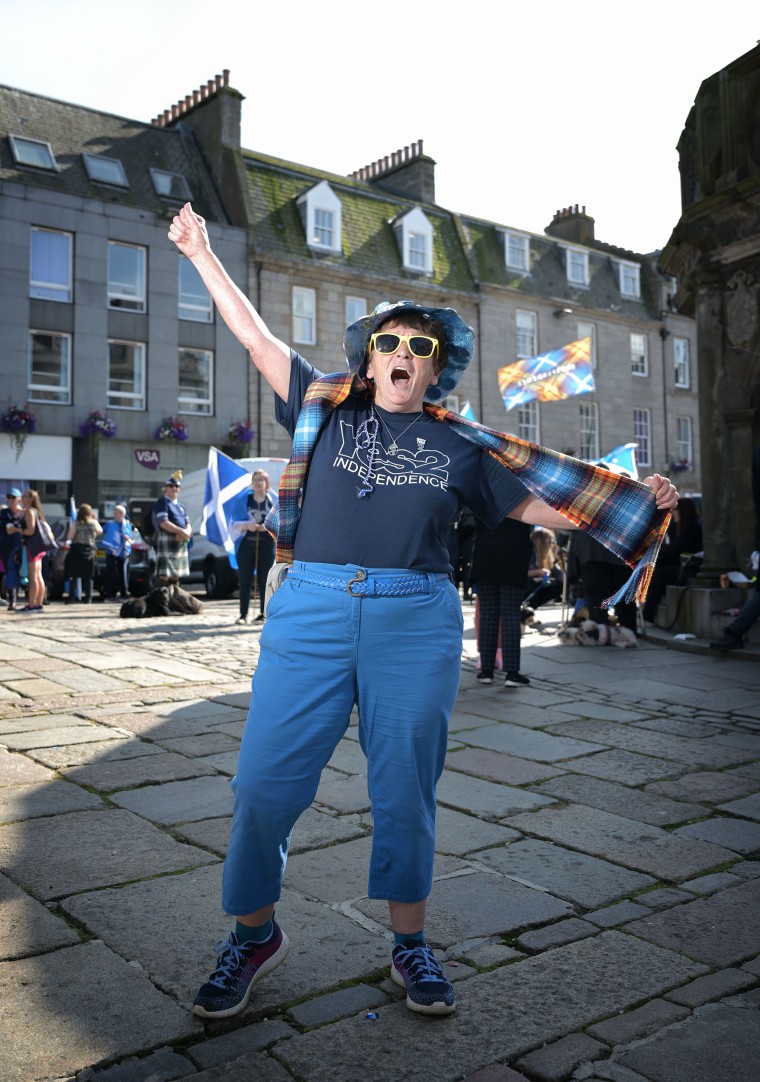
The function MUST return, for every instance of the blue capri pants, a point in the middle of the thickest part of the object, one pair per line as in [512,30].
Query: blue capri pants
[322,650]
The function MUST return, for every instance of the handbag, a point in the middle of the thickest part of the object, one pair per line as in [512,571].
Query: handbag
[42,539]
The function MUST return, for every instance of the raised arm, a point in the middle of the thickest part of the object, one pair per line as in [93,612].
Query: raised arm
[269,354]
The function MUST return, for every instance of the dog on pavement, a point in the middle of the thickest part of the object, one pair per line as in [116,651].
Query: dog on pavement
[589,633]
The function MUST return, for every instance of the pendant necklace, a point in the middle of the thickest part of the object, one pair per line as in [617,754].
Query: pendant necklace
[393,446]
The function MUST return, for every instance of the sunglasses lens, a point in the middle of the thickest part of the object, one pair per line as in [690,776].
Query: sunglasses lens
[422,346]
[387,343]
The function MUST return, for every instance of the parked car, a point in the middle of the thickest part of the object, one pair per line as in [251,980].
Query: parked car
[142,562]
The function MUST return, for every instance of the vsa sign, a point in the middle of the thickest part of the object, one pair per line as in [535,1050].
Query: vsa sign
[148,458]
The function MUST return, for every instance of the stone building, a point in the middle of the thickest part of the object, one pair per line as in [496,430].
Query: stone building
[315,250]
[97,310]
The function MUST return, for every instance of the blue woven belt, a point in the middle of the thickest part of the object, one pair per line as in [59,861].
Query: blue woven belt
[361,585]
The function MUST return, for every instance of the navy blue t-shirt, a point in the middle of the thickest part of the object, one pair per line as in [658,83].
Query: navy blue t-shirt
[418,490]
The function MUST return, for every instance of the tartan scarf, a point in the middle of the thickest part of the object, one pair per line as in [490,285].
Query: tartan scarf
[617,511]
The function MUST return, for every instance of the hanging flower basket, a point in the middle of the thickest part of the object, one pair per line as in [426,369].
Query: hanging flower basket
[240,435]
[171,428]
[680,465]
[97,426]
[18,422]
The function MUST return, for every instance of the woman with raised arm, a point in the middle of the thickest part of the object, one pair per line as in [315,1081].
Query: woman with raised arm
[368,614]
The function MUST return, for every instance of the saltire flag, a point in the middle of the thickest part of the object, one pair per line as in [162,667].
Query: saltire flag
[225,502]
[548,377]
[72,510]
[467,412]
[622,458]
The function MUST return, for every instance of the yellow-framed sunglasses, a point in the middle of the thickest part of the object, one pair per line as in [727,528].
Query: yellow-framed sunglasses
[419,345]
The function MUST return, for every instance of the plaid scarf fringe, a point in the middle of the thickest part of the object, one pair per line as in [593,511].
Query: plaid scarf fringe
[617,511]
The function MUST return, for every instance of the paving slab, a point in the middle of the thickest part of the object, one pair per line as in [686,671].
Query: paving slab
[554,1062]
[216,1051]
[89,1005]
[97,751]
[126,920]
[555,935]
[749,770]
[748,806]
[706,753]
[739,835]
[161,1066]
[57,855]
[642,1022]
[577,877]
[479,904]
[706,786]
[721,930]
[710,884]
[224,762]
[68,734]
[127,773]
[496,766]
[334,1005]
[349,757]
[527,743]
[609,796]
[613,915]
[44,798]
[18,770]
[347,794]
[670,857]
[203,744]
[458,834]
[500,1015]
[253,1067]
[33,687]
[27,723]
[664,898]
[627,767]
[726,982]
[179,801]
[486,798]
[718,1045]
[28,927]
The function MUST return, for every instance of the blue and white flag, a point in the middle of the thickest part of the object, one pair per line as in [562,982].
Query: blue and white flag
[72,510]
[225,503]
[622,458]
[467,412]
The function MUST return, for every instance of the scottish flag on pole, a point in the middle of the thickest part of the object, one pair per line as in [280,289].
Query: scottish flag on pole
[225,502]
[622,458]
[467,412]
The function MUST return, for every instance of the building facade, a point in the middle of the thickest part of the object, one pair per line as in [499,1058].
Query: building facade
[315,251]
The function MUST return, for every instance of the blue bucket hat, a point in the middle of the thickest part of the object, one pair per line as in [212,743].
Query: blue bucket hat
[458,344]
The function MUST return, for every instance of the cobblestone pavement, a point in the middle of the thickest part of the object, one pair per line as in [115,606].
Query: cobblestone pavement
[597,894]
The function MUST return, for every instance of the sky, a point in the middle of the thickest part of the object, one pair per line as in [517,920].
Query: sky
[526,108]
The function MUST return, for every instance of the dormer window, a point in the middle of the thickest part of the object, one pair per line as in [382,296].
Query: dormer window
[414,235]
[104,170]
[170,185]
[630,279]
[517,252]
[576,265]
[33,152]
[320,211]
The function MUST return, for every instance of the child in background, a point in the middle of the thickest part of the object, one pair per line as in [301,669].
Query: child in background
[117,541]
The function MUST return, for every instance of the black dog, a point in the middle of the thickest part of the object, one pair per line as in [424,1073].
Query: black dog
[155,604]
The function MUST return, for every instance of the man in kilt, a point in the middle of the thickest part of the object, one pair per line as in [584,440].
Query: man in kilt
[173,532]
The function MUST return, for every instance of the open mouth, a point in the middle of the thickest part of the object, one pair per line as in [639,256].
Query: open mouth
[399,375]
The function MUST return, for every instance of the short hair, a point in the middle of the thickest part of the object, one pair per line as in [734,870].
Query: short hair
[120,507]
[261,473]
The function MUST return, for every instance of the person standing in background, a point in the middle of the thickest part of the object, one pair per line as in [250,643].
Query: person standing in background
[256,551]
[117,541]
[173,533]
[80,560]
[11,540]
[499,567]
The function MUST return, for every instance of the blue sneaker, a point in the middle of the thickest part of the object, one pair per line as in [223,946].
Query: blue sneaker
[238,967]
[427,990]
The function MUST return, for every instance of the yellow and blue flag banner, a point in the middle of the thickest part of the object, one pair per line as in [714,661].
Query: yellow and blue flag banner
[622,458]
[548,377]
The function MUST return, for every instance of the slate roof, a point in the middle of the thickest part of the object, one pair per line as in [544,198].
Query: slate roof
[368,213]
[74,129]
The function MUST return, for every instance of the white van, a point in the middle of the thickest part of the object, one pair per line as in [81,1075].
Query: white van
[209,563]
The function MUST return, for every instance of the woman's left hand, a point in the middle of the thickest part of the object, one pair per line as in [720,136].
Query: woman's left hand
[665,492]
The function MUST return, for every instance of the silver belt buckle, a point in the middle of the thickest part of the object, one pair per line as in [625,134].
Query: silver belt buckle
[361,576]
